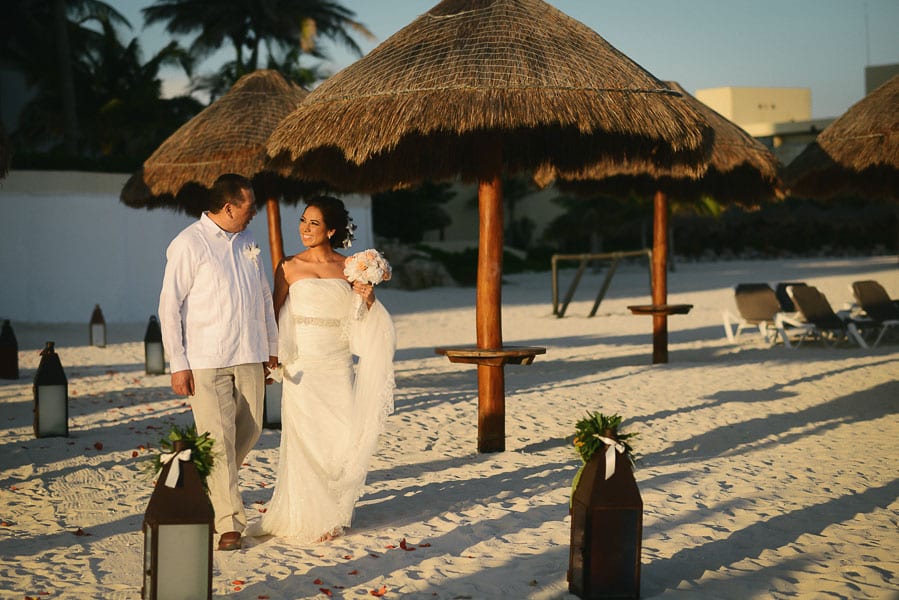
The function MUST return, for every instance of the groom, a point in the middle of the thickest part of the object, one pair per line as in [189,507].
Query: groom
[218,328]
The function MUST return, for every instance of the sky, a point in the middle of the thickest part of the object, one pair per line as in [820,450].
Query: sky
[823,45]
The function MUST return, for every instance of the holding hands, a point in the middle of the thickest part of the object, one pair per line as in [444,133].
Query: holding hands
[366,291]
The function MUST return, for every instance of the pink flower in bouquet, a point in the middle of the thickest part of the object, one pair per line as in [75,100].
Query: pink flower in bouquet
[368,266]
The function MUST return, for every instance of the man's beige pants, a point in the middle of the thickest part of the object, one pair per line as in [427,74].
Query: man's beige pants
[227,403]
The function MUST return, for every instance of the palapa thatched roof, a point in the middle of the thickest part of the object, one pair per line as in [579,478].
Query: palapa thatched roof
[857,154]
[228,136]
[423,104]
[741,169]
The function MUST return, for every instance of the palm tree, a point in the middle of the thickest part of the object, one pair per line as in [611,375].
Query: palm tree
[43,40]
[128,116]
[118,101]
[276,26]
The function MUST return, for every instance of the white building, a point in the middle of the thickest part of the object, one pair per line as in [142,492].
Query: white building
[68,243]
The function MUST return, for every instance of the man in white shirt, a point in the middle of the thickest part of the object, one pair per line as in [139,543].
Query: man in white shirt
[218,329]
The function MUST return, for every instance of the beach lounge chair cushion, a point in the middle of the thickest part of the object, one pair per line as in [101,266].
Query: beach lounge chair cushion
[757,306]
[822,322]
[877,305]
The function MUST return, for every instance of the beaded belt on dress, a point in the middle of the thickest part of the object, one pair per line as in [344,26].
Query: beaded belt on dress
[317,321]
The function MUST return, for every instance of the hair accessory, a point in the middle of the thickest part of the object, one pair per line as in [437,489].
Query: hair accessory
[350,229]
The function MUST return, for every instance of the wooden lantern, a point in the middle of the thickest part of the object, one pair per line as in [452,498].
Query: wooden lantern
[606,531]
[98,328]
[271,408]
[178,526]
[9,352]
[51,396]
[154,355]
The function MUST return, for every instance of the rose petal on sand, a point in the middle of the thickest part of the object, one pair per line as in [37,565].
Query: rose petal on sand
[325,591]
[379,592]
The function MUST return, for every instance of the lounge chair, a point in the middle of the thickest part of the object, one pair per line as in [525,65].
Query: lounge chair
[821,322]
[780,290]
[758,307]
[877,306]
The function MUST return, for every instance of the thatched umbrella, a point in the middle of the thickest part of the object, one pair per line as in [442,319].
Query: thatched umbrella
[475,87]
[740,170]
[228,136]
[857,154]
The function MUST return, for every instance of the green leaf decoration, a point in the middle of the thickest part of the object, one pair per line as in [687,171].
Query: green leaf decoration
[587,443]
[201,454]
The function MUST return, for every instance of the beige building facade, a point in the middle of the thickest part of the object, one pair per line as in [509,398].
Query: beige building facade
[779,117]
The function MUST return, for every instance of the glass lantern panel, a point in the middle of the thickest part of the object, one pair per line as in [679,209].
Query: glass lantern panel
[273,402]
[155,358]
[52,410]
[148,562]
[98,334]
[183,562]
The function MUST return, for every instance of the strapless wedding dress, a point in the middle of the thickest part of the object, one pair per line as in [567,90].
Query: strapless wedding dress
[332,410]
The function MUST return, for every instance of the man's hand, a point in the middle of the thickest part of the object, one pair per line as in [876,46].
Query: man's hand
[183,383]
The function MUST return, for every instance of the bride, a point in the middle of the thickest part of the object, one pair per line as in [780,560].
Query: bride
[332,410]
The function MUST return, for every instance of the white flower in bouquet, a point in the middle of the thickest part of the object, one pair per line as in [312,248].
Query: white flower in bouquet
[368,266]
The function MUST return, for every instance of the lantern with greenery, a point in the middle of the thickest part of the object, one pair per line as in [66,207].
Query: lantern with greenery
[606,513]
[179,520]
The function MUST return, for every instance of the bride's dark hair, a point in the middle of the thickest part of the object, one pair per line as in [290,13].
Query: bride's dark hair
[337,218]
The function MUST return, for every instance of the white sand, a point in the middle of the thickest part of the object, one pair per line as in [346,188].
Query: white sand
[765,472]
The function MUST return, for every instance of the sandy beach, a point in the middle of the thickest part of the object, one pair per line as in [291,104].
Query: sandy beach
[765,472]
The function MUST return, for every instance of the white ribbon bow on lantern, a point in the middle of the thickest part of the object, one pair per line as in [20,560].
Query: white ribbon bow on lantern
[175,471]
[612,446]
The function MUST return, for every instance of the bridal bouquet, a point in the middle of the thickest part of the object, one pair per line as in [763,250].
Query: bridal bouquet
[368,266]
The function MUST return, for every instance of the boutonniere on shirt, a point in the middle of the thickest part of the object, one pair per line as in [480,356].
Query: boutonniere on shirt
[251,251]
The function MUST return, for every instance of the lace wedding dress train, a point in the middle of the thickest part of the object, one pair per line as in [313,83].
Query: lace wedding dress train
[332,410]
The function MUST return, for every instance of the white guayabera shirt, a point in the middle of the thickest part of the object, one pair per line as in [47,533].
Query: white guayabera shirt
[215,308]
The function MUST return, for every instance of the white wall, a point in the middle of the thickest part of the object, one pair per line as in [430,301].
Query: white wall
[67,243]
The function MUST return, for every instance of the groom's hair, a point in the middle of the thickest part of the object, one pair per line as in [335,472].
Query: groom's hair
[227,188]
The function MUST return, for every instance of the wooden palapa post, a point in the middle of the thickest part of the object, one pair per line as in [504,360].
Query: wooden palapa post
[489,354]
[660,309]
[660,277]
[275,238]
[491,379]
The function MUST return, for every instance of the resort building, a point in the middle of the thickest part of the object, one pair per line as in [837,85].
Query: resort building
[779,117]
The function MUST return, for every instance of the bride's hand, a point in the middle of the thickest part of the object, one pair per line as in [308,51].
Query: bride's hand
[366,290]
